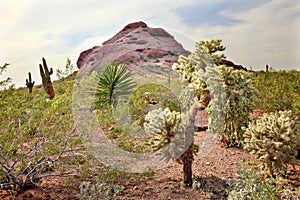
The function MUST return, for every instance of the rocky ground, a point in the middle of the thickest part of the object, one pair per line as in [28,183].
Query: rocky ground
[210,173]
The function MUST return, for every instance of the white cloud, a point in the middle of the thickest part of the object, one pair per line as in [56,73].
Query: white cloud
[50,29]
[268,34]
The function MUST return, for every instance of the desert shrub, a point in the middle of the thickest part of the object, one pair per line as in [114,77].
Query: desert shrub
[34,136]
[68,70]
[6,83]
[249,186]
[253,185]
[273,139]
[216,187]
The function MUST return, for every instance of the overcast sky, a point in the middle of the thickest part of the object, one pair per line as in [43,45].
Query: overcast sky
[255,32]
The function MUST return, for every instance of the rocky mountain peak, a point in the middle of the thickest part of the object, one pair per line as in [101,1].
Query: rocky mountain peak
[135,44]
[134,25]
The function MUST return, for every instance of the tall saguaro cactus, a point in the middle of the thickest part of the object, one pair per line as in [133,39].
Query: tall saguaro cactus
[45,74]
[29,83]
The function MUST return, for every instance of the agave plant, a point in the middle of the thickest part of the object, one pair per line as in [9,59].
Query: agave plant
[114,82]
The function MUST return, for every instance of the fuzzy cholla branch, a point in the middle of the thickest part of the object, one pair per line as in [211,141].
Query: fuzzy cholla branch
[168,130]
[192,76]
[212,47]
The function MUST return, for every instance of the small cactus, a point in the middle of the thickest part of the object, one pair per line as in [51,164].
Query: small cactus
[45,74]
[29,83]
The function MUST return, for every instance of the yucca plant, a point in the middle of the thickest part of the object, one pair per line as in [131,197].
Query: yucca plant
[114,82]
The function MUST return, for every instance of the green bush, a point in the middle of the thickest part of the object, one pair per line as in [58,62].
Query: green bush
[250,186]
[148,94]
[7,83]
[68,70]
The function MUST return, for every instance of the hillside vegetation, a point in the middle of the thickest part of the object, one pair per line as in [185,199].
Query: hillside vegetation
[279,90]
[39,138]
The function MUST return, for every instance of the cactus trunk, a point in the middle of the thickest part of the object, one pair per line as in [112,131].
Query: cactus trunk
[187,159]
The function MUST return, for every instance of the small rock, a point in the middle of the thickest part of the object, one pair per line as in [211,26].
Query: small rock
[135,188]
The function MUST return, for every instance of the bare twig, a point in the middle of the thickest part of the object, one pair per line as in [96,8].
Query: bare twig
[18,177]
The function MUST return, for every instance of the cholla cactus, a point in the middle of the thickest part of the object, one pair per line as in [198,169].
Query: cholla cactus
[274,139]
[168,130]
[231,89]
[201,74]
[240,95]
[192,70]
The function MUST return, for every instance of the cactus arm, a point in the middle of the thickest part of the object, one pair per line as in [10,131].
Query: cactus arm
[47,72]
[51,71]
[44,81]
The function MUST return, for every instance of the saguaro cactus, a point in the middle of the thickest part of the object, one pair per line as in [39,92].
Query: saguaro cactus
[45,74]
[29,83]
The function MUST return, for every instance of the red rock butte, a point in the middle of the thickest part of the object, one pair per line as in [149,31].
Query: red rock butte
[136,43]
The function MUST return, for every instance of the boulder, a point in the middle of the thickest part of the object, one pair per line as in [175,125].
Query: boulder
[231,64]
